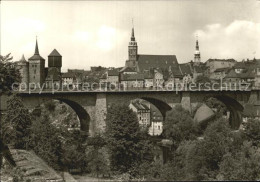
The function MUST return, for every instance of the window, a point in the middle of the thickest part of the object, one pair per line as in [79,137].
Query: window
[158,127]
[34,71]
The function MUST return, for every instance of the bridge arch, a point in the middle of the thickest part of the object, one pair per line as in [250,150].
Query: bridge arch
[82,114]
[233,106]
[162,106]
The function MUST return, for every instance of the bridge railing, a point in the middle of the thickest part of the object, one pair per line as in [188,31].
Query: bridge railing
[173,87]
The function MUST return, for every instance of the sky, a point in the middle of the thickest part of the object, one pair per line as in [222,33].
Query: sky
[94,33]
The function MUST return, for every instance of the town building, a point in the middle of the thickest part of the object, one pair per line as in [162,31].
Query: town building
[213,64]
[156,127]
[143,112]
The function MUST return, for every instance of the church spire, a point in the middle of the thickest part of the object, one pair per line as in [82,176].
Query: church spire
[197,52]
[133,35]
[36,48]
[197,44]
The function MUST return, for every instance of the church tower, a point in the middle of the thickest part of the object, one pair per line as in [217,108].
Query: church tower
[197,53]
[132,51]
[36,67]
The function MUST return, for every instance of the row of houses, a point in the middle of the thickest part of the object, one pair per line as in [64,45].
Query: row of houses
[148,116]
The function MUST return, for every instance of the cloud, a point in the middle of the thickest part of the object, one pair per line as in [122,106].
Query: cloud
[106,38]
[239,40]
[26,26]
[82,36]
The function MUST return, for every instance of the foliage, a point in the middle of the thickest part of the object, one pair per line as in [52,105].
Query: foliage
[8,73]
[124,138]
[219,108]
[45,140]
[179,126]
[98,162]
[243,165]
[16,124]
[50,106]
[252,131]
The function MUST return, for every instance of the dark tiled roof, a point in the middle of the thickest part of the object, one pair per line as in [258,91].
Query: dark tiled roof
[55,53]
[198,69]
[22,60]
[53,74]
[145,62]
[140,106]
[148,76]
[185,69]
[113,72]
[132,77]
[76,70]
[222,70]
[68,75]
[226,60]
[240,65]
[127,69]
[245,74]
[36,57]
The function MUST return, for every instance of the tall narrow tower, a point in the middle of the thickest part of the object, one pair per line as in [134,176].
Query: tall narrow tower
[132,50]
[36,67]
[197,52]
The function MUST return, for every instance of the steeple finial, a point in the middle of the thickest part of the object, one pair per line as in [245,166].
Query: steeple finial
[36,48]
[133,32]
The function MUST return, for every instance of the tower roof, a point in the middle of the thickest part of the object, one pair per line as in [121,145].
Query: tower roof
[133,35]
[22,59]
[54,53]
[36,55]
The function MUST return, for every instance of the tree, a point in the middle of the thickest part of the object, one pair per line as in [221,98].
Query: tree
[45,140]
[218,106]
[8,76]
[203,159]
[16,124]
[179,126]
[123,138]
[8,73]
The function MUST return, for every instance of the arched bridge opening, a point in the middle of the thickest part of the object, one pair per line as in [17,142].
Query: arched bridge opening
[233,106]
[160,105]
[83,116]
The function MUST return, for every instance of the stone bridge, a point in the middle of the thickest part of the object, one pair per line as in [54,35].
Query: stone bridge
[91,106]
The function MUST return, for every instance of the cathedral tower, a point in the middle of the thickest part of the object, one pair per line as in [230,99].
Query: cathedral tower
[36,67]
[132,51]
[197,53]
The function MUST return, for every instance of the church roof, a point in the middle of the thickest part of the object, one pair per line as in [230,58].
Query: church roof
[54,53]
[145,62]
